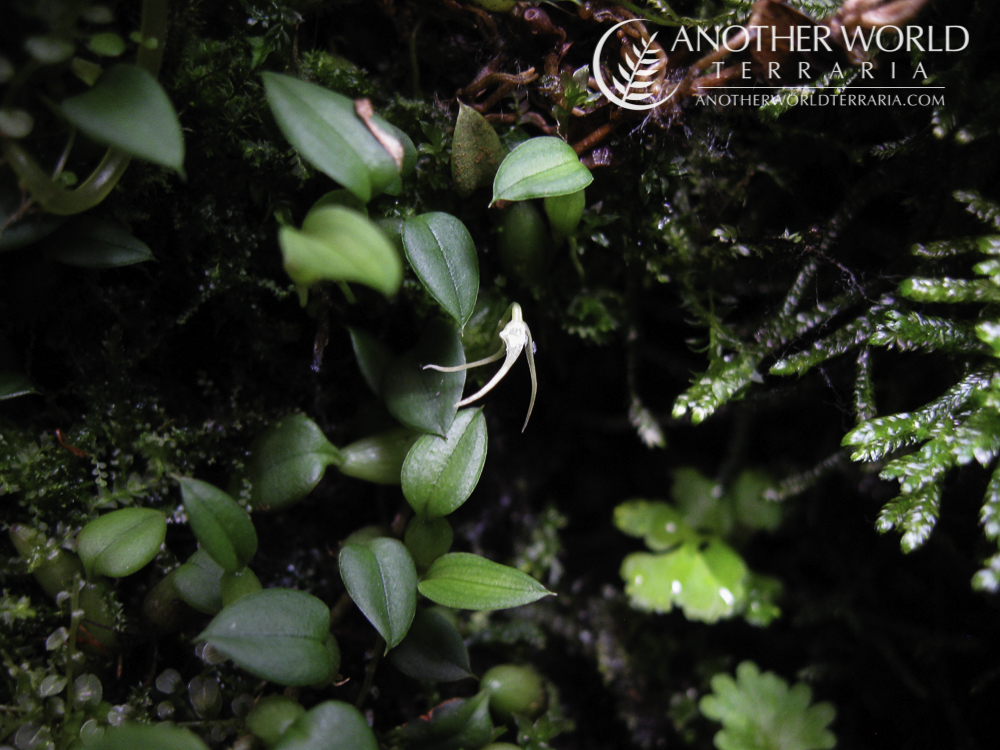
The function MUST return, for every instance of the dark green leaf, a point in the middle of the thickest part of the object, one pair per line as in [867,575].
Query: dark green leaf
[129,110]
[476,152]
[147,737]
[332,725]
[287,461]
[425,399]
[538,168]
[222,527]
[378,458]
[443,255]
[439,474]
[199,582]
[433,650]
[235,586]
[90,242]
[373,357]
[338,244]
[466,581]
[326,131]
[121,542]
[14,384]
[382,581]
[453,725]
[278,635]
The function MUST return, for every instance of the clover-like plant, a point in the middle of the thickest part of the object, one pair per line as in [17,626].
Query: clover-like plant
[515,335]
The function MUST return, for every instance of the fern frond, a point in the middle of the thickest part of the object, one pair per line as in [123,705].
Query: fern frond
[950,290]
[914,513]
[864,388]
[724,379]
[878,437]
[840,341]
[986,210]
[906,331]
[946,248]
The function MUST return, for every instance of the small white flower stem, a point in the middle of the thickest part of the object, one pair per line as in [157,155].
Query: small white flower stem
[516,337]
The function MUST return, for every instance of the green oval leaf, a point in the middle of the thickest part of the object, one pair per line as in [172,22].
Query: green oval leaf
[332,725]
[89,242]
[378,458]
[326,131]
[439,474]
[425,399]
[277,634]
[287,461]
[121,542]
[443,255]
[199,583]
[466,581]
[382,581]
[148,737]
[538,168]
[433,650]
[338,244]
[128,110]
[373,357]
[222,527]
[476,152]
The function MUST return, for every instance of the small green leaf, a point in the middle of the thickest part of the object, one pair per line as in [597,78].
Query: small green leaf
[373,357]
[121,542]
[466,581]
[148,737]
[439,474]
[287,461]
[476,152]
[14,384]
[707,584]
[326,131]
[565,211]
[382,581]
[426,399]
[443,255]
[278,635]
[128,110]
[222,527]
[338,244]
[106,44]
[199,583]
[538,168]
[272,715]
[758,710]
[427,540]
[433,650]
[235,586]
[378,458]
[90,242]
[332,725]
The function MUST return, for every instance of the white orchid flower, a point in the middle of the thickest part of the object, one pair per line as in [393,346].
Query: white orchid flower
[516,337]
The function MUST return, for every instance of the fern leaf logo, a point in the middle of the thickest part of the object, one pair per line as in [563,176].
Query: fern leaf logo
[631,90]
